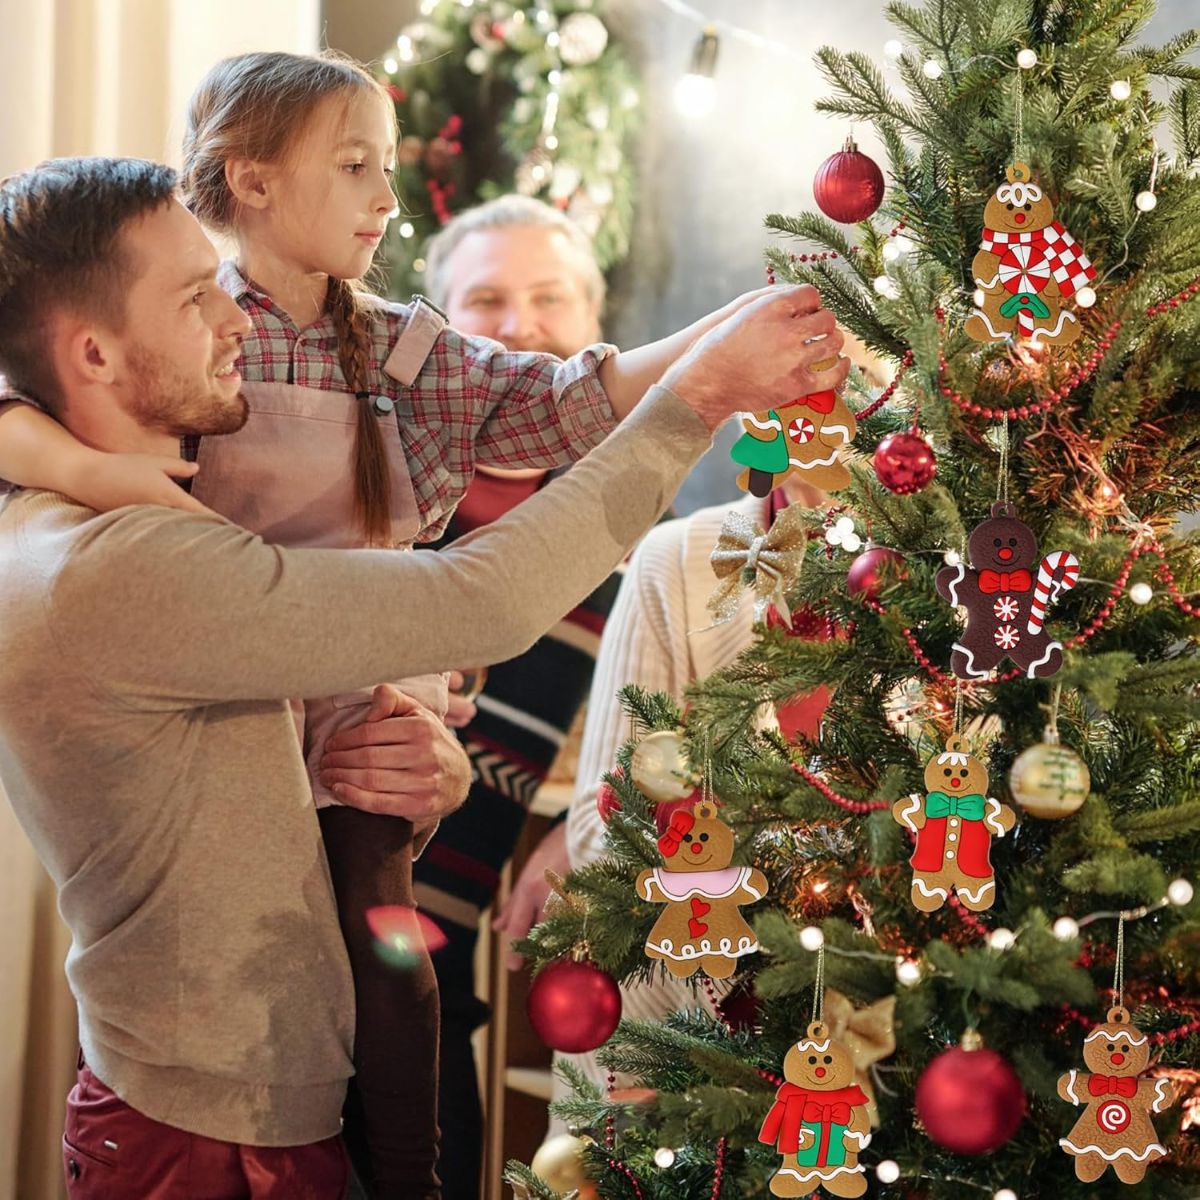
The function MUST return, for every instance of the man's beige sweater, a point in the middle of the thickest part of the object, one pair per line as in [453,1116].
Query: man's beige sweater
[148,750]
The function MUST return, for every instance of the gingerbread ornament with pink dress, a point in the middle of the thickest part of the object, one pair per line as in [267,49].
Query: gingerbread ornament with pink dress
[702,926]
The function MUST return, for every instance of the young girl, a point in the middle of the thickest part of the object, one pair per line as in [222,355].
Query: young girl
[366,421]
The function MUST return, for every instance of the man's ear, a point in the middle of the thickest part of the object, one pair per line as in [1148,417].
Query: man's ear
[86,354]
[249,182]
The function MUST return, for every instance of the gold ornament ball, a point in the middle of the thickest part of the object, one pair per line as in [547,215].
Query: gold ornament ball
[1049,781]
[659,767]
[559,1164]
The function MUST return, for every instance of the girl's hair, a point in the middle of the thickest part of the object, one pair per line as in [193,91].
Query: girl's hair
[258,106]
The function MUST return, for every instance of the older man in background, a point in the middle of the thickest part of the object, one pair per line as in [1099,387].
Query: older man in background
[516,270]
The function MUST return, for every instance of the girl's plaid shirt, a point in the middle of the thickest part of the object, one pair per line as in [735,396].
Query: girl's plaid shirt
[473,401]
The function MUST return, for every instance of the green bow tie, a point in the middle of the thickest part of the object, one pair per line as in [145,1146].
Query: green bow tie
[970,808]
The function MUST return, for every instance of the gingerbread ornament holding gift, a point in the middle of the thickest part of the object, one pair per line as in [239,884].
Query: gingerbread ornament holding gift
[954,824]
[1027,268]
[1115,1129]
[702,926]
[1006,602]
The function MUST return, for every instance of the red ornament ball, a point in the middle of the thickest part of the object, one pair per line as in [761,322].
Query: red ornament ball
[864,574]
[849,185]
[905,463]
[970,1101]
[574,1006]
[607,800]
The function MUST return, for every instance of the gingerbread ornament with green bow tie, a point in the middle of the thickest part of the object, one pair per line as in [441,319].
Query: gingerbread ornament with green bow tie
[1006,592]
[953,825]
[806,436]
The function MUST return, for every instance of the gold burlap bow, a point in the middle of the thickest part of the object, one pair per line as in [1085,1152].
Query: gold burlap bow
[868,1033]
[746,556]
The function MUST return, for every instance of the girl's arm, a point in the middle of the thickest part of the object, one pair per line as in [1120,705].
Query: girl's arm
[37,452]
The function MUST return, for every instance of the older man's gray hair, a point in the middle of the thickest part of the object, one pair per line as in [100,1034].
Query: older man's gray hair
[507,212]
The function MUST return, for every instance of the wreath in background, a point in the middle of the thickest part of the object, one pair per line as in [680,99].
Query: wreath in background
[496,96]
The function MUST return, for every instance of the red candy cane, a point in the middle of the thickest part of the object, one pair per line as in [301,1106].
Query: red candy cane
[1057,573]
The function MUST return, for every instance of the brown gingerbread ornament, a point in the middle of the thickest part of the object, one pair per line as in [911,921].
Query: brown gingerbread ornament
[702,926]
[805,436]
[1006,602]
[954,823]
[1115,1129]
[1027,268]
[819,1120]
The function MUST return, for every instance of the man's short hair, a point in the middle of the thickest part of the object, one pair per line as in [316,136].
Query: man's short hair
[506,212]
[61,250]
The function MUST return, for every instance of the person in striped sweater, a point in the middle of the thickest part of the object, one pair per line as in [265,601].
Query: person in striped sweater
[516,270]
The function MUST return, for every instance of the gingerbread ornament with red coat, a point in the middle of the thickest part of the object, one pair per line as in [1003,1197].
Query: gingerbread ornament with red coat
[702,926]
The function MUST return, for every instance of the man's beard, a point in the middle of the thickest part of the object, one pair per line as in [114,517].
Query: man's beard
[164,401]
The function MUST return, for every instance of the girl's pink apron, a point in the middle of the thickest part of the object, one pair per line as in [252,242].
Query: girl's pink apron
[288,475]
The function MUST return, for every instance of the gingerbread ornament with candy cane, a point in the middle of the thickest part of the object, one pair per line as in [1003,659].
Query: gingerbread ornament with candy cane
[1115,1129]
[953,825]
[1027,268]
[1005,601]
[702,926]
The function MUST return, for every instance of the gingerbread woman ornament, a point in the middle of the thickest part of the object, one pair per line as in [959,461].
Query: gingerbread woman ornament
[805,436]
[1006,603]
[1115,1129]
[702,926]
[954,824]
[1026,269]
[819,1120]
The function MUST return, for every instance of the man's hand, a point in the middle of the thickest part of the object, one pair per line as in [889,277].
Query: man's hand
[400,760]
[523,908]
[108,481]
[760,357]
[460,711]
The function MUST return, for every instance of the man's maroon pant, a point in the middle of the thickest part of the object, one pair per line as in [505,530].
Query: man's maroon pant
[113,1152]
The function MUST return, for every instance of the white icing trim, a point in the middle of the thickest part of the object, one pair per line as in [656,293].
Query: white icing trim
[992,818]
[987,285]
[1072,1078]
[906,813]
[745,883]
[809,1044]
[955,757]
[1042,331]
[724,949]
[820,1172]
[919,884]
[1162,1101]
[816,462]
[975,897]
[970,664]
[1018,193]
[863,1139]
[984,318]
[770,424]
[844,430]
[1045,658]
[1125,1033]
[1154,1148]
[952,587]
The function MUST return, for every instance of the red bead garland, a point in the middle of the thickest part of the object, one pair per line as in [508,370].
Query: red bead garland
[854,806]
[968,918]
[719,1173]
[1184,294]
[886,394]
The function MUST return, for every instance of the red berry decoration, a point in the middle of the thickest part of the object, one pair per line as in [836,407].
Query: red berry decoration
[905,462]
[607,800]
[574,1006]
[969,1098]
[864,574]
[849,185]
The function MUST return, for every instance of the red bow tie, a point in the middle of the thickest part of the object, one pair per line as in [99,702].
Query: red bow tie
[839,1113]
[1005,581]
[821,402]
[1115,1085]
[672,839]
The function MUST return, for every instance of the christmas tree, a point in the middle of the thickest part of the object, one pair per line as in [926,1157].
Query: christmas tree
[1086,429]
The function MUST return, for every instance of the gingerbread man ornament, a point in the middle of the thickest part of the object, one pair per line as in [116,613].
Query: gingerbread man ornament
[1005,602]
[1115,1129]
[1026,269]
[702,926]
[954,824]
[819,1120]
[806,436]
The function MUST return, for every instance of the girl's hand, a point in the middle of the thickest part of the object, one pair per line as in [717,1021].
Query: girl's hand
[108,481]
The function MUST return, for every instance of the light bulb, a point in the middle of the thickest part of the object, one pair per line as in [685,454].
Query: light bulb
[908,971]
[1001,939]
[1120,89]
[1141,593]
[952,558]
[554,78]
[1145,201]
[931,69]
[893,48]
[1027,59]
[418,265]
[551,142]
[1065,929]
[664,1157]
[811,938]
[695,96]
[891,252]
[903,243]
[1085,297]
[887,1171]
[407,229]
[1180,892]
[886,287]
[552,39]
[391,66]
[404,47]
[1005,1194]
